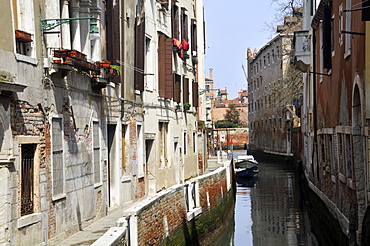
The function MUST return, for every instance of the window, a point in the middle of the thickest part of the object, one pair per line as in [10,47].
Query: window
[57,161]
[96,152]
[185,143]
[165,76]
[163,132]
[340,24]
[140,148]
[27,179]
[185,90]
[194,141]
[345,155]
[149,65]
[194,37]
[23,42]
[175,22]
[348,28]
[124,139]
[24,26]
[140,52]
[332,35]
[184,24]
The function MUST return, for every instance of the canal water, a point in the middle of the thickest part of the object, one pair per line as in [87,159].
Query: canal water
[269,210]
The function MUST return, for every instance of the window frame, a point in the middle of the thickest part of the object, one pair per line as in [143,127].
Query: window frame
[52,136]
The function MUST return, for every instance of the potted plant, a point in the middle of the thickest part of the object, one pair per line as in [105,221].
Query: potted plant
[103,64]
[186,55]
[117,68]
[186,106]
[177,107]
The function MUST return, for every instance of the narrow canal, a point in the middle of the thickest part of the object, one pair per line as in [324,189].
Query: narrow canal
[269,210]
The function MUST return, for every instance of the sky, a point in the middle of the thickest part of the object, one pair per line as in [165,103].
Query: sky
[231,27]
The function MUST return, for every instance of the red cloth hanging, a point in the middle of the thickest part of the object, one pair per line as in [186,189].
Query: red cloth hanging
[185,44]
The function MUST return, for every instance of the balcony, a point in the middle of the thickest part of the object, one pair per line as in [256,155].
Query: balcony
[302,49]
[73,58]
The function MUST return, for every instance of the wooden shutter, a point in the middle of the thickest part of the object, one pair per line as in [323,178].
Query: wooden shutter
[195,94]
[177,89]
[175,22]
[113,35]
[193,35]
[168,68]
[327,37]
[185,90]
[161,66]
[165,77]
[139,53]
[184,25]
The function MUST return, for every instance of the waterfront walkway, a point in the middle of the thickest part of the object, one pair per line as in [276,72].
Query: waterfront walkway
[97,229]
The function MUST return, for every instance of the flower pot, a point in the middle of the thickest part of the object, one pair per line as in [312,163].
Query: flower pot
[104,64]
[22,36]
[57,61]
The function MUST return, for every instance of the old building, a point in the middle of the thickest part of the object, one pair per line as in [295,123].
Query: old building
[273,86]
[98,109]
[330,53]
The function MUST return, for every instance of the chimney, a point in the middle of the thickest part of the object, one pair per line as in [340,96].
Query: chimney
[211,73]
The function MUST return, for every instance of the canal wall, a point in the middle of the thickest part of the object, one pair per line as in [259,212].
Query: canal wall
[185,214]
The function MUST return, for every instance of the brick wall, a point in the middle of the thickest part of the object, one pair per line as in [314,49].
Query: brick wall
[151,220]
[165,214]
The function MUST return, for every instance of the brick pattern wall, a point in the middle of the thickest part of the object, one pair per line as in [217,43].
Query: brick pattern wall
[170,209]
[151,224]
[216,188]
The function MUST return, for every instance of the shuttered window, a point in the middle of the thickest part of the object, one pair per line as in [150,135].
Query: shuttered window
[193,35]
[165,77]
[177,89]
[195,94]
[175,22]
[113,35]
[327,37]
[184,25]
[139,53]
[185,90]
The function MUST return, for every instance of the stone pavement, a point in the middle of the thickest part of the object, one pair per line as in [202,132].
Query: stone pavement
[94,231]
[97,229]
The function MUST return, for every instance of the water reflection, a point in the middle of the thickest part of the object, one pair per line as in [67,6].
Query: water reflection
[269,210]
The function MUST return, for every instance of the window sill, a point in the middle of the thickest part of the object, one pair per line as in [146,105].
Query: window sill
[351,184]
[342,178]
[7,162]
[29,220]
[97,185]
[27,59]
[125,179]
[59,197]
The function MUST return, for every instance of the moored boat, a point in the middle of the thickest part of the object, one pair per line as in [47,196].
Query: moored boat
[246,166]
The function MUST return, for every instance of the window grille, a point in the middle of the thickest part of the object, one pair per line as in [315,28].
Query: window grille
[27,178]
